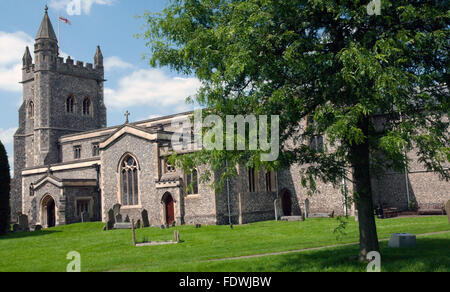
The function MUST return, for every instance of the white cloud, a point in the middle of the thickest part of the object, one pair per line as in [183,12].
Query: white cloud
[6,136]
[153,88]
[114,62]
[12,47]
[78,7]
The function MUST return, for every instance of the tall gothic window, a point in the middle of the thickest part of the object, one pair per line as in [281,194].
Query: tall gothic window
[316,141]
[70,104]
[31,109]
[251,180]
[270,181]
[192,183]
[87,106]
[129,181]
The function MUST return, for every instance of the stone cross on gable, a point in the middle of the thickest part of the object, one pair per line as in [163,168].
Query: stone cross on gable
[127,114]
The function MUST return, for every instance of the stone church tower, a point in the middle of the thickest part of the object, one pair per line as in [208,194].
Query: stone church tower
[60,97]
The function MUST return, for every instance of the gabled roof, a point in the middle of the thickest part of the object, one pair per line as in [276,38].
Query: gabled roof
[46,29]
[134,131]
[60,183]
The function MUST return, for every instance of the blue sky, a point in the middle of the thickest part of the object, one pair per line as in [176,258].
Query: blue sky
[132,84]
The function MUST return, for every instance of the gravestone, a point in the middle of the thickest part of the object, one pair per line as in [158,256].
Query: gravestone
[123,226]
[163,227]
[37,228]
[23,223]
[138,224]
[402,240]
[127,219]
[198,226]
[119,218]
[111,220]
[176,236]
[116,209]
[174,223]
[16,228]
[145,221]
[84,217]
[447,210]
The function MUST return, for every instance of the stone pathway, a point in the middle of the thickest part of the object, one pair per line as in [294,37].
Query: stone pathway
[310,249]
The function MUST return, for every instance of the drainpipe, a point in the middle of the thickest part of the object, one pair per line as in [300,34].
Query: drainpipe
[228,198]
[407,187]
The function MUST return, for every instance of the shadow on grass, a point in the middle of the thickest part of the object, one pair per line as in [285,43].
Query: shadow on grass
[430,255]
[28,234]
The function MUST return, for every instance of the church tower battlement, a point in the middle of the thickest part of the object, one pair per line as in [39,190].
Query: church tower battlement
[60,97]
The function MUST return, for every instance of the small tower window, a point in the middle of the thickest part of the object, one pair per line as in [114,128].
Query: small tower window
[87,107]
[96,149]
[77,152]
[31,109]
[70,104]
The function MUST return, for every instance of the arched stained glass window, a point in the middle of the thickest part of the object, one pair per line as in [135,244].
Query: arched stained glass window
[129,180]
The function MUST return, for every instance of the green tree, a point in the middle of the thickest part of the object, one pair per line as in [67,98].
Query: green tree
[328,60]
[5,181]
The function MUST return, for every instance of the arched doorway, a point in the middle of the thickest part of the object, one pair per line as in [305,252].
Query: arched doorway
[286,203]
[169,208]
[48,212]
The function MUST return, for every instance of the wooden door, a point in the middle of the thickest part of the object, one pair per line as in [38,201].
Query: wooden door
[287,204]
[170,212]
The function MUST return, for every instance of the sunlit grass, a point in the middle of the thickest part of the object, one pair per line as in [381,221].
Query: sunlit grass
[113,250]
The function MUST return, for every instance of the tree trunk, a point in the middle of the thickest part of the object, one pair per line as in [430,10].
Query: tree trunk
[359,154]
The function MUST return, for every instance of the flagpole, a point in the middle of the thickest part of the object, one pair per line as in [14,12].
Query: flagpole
[59,31]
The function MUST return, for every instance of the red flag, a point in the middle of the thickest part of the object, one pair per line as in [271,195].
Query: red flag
[65,20]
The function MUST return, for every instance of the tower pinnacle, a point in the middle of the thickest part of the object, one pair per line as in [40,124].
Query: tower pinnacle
[46,29]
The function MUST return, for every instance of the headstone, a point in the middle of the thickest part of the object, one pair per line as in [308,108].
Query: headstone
[119,218]
[174,223]
[123,226]
[16,228]
[145,221]
[167,226]
[447,210]
[84,217]
[37,228]
[292,218]
[127,219]
[116,209]
[23,223]
[198,226]
[111,220]
[402,240]
[163,227]
[138,224]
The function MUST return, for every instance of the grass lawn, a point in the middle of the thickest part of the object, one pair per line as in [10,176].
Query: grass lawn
[113,251]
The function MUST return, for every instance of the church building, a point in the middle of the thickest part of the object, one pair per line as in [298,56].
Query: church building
[68,162]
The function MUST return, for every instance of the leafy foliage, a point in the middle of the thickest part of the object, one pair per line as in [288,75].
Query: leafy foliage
[327,59]
[376,86]
[5,180]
